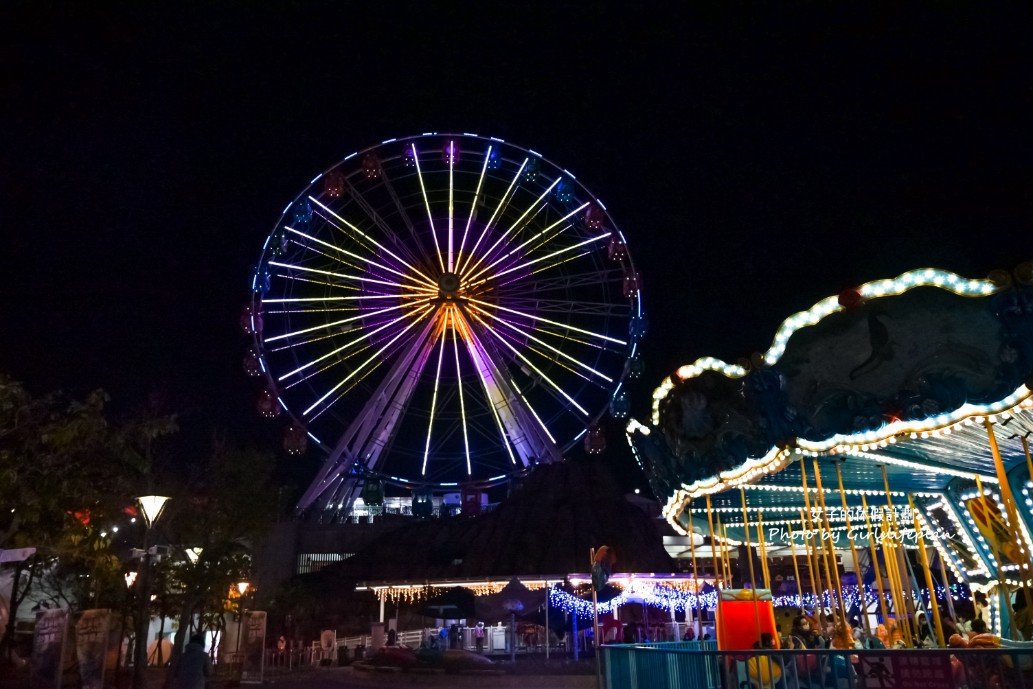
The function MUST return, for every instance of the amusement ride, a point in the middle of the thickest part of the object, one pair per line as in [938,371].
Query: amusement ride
[441,313]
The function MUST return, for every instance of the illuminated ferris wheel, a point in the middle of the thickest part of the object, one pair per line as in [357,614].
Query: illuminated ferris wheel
[442,311]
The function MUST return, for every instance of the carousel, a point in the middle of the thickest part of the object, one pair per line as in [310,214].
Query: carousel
[872,466]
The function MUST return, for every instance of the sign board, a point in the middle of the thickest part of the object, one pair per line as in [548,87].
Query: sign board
[48,648]
[91,645]
[254,646]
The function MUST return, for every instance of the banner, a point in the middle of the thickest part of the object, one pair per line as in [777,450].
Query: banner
[994,529]
[328,642]
[91,646]
[48,648]
[254,646]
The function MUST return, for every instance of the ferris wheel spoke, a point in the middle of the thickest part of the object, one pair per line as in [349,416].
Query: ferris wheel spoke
[555,350]
[426,204]
[503,203]
[451,200]
[554,254]
[404,276]
[487,254]
[533,318]
[473,206]
[531,239]
[344,321]
[362,338]
[433,401]
[566,282]
[541,374]
[571,307]
[357,232]
[359,368]
[354,326]
[410,261]
[462,402]
[518,419]
[356,278]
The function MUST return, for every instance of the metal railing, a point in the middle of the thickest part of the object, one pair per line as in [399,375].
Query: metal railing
[697,665]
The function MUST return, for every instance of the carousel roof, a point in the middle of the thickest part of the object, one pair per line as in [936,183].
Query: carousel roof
[905,376]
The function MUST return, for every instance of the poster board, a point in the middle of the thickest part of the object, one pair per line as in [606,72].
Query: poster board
[253,669]
[48,648]
[91,646]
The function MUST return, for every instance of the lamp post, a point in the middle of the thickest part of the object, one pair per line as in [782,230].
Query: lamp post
[513,606]
[242,587]
[151,508]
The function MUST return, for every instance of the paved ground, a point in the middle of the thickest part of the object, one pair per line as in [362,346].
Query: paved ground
[330,678]
[350,678]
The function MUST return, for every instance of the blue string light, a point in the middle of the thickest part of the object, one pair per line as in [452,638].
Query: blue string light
[668,598]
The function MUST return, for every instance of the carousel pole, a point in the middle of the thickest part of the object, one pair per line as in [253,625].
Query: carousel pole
[718,570]
[889,552]
[695,577]
[996,550]
[762,544]
[796,567]
[875,560]
[947,591]
[819,587]
[1007,497]
[726,559]
[815,579]
[935,608]
[824,558]
[862,598]
[749,557]
[896,562]
[829,546]
[1009,505]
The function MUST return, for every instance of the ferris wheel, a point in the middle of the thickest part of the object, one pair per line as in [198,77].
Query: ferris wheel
[442,311]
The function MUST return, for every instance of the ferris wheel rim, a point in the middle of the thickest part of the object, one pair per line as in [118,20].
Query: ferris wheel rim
[257,301]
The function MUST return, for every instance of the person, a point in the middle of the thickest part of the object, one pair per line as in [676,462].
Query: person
[977,627]
[764,671]
[478,636]
[195,667]
[805,634]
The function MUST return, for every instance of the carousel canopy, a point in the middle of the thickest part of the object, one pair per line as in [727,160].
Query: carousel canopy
[912,378]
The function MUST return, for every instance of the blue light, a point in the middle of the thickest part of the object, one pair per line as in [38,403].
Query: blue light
[495,138]
[535,152]
[569,173]
[266,245]
[314,438]
[450,484]
[315,178]
[468,134]
[601,205]
[388,141]
[350,156]
[281,403]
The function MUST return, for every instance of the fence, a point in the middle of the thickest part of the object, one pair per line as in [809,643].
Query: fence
[698,665]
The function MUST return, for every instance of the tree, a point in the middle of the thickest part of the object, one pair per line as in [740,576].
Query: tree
[220,507]
[65,472]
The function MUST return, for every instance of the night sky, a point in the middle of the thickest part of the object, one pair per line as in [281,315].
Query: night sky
[758,157]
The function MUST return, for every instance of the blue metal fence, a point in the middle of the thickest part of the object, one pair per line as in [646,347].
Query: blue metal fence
[698,665]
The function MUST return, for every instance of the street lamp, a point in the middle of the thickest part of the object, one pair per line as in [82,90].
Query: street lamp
[513,606]
[242,587]
[151,506]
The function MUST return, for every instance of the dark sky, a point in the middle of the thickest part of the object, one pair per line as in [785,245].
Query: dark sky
[759,157]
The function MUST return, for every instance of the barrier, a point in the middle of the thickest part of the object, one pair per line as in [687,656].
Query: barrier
[700,666]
